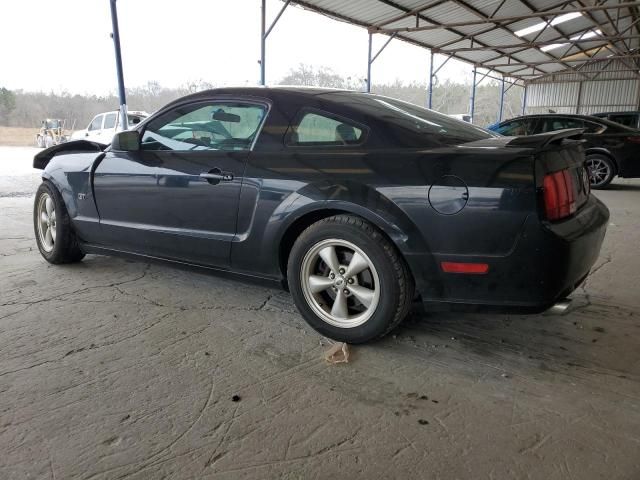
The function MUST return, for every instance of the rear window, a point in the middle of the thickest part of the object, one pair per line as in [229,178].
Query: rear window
[431,127]
[628,120]
[135,119]
[551,124]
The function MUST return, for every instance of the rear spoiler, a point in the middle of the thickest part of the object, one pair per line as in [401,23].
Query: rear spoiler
[42,158]
[543,140]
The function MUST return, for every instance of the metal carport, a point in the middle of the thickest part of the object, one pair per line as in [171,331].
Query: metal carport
[524,43]
[518,42]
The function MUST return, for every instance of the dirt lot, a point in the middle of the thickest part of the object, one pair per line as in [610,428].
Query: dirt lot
[18,136]
[113,369]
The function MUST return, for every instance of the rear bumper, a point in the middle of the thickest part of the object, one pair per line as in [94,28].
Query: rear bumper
[548,262]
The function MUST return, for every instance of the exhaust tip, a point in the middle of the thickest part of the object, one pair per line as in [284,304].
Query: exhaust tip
[559,308]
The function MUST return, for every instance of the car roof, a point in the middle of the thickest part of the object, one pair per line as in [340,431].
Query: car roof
[627,112]
[590,118]
[298,92]
[345,102]
[550,115]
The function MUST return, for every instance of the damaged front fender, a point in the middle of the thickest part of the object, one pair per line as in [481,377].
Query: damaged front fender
[41,159]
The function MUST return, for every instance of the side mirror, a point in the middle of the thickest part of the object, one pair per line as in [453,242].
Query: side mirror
[127,141]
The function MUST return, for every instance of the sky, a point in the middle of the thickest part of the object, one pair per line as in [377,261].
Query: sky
[65,45]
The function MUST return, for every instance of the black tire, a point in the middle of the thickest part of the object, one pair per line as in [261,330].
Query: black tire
[396,285]
[65,248]
[605,170]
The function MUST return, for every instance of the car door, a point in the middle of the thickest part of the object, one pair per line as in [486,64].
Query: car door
[177,196]
[94,129]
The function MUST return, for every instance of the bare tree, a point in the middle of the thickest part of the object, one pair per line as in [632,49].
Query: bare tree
[27,109]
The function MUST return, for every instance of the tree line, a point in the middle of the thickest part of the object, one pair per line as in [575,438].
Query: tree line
[27,109]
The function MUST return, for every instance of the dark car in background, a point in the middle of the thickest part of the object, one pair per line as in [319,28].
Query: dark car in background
[628,119]
[357,203]
[611,149]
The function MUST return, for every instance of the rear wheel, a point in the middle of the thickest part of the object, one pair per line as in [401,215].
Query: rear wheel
[348,281]
[601,170]
[55,237]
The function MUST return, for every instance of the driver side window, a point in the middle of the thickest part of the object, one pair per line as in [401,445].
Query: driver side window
[205,126]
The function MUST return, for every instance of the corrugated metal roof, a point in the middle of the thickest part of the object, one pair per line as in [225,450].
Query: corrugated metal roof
[483,32]
[585,97]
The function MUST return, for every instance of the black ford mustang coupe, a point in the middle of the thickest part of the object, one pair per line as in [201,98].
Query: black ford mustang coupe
[357,203]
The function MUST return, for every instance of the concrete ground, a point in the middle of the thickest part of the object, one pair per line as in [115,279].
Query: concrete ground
[111,369]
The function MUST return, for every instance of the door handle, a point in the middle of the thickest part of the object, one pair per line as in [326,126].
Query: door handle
[216,175]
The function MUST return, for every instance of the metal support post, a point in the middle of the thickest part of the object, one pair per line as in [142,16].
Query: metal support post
[502,92]
[430,99]
[473,93]
[432,73]
[263,38]
[124,123]
[524,100]
[368,90]
[579,97]
[373,59]
[264,33]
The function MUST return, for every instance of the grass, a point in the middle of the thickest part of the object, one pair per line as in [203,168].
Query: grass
[18,136]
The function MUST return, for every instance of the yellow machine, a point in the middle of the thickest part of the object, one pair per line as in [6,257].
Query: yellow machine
[52,132]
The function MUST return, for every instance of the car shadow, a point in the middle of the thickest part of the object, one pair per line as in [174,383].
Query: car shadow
[523,344]
[624,187]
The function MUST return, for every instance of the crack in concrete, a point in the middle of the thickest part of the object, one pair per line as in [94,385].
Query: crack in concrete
[92,347]
[62,296]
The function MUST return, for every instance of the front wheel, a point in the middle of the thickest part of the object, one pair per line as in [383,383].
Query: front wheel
[55,237]
[601,170]
[348,281]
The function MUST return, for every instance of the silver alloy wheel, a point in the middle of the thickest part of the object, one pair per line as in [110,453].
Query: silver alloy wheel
[46,213]
[340,283]
[599,171]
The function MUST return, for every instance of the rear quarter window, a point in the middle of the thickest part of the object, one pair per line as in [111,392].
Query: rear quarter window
[592,127]
[323,128]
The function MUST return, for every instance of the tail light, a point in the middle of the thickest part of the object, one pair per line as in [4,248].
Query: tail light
[559,195]
[634,139]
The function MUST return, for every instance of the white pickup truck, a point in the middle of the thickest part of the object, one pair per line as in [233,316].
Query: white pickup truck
[104,125]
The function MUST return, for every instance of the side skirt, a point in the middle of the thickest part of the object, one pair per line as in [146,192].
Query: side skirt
[244,277]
